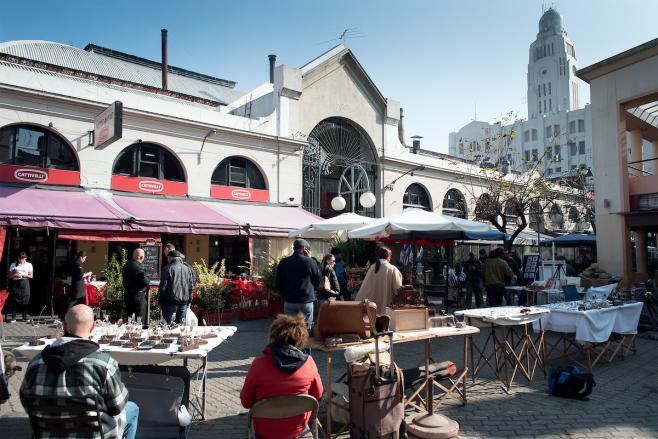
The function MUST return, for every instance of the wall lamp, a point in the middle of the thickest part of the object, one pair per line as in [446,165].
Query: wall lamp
[208,134]
[389,187]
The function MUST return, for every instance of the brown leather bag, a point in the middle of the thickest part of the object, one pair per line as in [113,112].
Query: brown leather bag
[346,317]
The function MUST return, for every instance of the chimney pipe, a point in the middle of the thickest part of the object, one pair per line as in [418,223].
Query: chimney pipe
[416,144]
[401,127]
[165,66]
[272,59]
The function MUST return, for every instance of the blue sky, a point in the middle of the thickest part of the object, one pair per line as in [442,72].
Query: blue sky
[440,59]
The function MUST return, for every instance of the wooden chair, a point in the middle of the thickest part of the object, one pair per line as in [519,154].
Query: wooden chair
[282,407]
[57,416]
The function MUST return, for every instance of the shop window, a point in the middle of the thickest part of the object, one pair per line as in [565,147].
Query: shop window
[28,145]
[240,172]
[454,204]
[416,196]
[147,160]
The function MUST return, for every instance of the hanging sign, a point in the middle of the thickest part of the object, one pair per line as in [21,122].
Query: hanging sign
[108,125]
[239,193]
[149,186]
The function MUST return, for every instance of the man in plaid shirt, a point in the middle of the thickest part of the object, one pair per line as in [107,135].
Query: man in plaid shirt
[73,367]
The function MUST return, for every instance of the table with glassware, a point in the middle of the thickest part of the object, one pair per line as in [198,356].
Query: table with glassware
[511,346]
[597,329]
[130,345]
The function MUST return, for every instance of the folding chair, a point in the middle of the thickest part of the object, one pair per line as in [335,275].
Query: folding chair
[570,293]
[62,416]
[444,376]
[282,407]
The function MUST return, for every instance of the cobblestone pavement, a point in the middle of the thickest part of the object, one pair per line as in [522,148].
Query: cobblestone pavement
[623,405]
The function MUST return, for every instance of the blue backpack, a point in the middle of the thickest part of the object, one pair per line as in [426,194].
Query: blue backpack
[570,382]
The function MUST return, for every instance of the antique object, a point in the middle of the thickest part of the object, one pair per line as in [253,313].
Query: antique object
[408,318]
[442,321]
[347,317]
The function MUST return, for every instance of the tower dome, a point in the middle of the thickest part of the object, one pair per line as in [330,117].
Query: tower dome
[551,20]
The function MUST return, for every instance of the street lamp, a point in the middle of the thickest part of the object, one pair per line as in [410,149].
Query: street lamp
[358,179]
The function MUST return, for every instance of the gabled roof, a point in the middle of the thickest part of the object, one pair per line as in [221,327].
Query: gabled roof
[342,50]
[131,69]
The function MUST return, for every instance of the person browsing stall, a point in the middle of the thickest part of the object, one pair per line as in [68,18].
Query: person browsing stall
[473,271]
[329,277]
[20,273]
[74,367]
[296,278]
[382,281]
[283,369]
[135,286]
[78,292]
[496,272]
[176,288]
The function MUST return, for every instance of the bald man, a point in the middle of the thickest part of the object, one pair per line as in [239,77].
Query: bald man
[135,286]
[74,367]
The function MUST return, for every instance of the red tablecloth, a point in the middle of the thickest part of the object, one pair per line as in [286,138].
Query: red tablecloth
[94,295]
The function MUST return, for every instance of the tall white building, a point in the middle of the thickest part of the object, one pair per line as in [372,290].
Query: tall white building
[557,130]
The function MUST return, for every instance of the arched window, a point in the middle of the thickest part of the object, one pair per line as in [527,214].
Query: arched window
[239,172]
[148,160]
[556,216]
[416,196]
[31,145]
[454,204]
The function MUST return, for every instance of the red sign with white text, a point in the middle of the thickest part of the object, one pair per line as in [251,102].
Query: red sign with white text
[239,193]
[29,175]
[149,186]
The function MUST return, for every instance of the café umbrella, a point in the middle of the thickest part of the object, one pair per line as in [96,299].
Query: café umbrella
[336,226]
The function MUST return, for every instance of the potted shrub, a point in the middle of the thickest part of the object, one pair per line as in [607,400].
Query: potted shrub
[275,301]
[112,302]
[213,294]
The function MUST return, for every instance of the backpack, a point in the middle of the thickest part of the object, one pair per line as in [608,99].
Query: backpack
[570,382]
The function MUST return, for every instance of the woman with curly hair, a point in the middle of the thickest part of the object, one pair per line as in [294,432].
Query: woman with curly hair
[283,369]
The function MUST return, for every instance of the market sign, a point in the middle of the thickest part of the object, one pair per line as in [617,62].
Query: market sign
[26,175]
[108,125]
[149,186]
[239,193]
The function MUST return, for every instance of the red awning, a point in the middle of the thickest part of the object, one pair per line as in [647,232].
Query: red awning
[70,209]
[99,235]
[163,215]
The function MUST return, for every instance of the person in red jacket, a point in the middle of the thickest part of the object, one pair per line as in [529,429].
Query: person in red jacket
[282,370]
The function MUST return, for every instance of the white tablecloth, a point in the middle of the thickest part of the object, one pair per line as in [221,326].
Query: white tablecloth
[594,325]
[504,315]
[132,357]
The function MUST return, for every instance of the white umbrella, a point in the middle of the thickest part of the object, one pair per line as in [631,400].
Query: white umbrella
[416,220]
[337,225]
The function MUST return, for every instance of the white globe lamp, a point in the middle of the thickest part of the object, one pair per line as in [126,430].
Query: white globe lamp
[338,203]
[367,200]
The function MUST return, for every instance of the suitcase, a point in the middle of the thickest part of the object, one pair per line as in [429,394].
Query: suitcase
[346,317]
[159,392]
[376,399]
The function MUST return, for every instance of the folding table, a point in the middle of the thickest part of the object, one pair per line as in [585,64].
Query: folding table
[510,346]
[134,357]
[424,336]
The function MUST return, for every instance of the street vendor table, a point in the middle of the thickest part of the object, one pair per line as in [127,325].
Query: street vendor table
[593,332]
[510,346]
[134,357]
[402,337]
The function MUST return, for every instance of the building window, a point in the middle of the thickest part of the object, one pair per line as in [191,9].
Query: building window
[240,172]
[539,90]
[148,160]
[526,153]
[454,204]
[573,167]
[572,127]
[416,196]
[558,151]
[556,130]
[544,105]
[558,169]
[581,147]
[548,153]
[550,105]
[544,89]
[535,155]
[534,134]
[573,149]
[539,106]
[30,145]
[549,88]
[549,131]
[581,125]
[526,136]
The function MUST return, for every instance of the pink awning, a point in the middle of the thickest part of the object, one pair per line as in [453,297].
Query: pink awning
[165,215]
[39,208]
[263,219]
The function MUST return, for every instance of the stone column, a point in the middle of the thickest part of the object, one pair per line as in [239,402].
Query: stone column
[641,250]
[636,152]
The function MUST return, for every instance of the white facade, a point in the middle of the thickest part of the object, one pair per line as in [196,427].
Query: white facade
[557,130]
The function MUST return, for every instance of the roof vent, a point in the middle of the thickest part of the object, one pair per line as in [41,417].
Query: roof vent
[416,144]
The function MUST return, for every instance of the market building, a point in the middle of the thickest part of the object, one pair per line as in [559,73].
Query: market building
[624,91]
[100,149]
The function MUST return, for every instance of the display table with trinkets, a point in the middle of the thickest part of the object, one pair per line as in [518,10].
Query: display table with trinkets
[130,345]
[592,331]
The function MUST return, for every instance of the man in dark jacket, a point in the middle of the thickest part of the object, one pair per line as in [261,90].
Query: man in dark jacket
[296,278]
[473,270]
[73,367]
[176,287]
[135,286]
